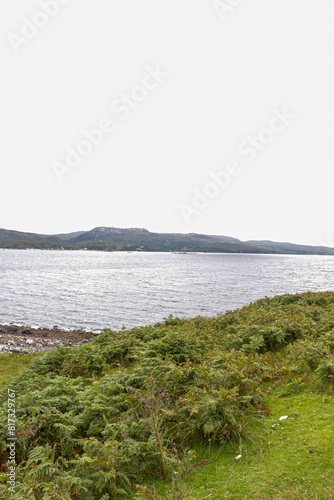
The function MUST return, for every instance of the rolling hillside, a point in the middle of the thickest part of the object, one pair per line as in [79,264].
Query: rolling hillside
[139,239]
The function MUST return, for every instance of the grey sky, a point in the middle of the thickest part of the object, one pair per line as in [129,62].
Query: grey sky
[183,88]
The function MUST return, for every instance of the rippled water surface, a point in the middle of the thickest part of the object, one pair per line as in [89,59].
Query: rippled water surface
[95,290]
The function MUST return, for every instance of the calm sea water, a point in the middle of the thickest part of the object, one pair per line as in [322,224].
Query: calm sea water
[95,290]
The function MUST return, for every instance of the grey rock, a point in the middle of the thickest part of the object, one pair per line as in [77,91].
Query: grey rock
[12,328]
[27,331]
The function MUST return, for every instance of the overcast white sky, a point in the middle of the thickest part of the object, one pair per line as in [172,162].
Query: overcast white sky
[231,70]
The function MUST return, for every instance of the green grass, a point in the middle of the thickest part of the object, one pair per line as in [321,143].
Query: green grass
[12,365]
[278,464]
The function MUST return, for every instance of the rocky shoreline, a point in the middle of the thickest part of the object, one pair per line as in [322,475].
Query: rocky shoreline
[21,339]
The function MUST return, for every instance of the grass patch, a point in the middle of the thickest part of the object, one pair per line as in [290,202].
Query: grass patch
[290,459]
[12,365]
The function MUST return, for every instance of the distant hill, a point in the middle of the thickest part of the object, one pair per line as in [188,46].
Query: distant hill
[111,234]
[142,239]
[17,239]
[139,239]
[69,236]
[292,248]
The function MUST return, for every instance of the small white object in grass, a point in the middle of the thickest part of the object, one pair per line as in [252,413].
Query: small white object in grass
[283,418]
[238,456]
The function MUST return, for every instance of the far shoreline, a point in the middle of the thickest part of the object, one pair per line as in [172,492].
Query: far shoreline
[175,252]
[17,339]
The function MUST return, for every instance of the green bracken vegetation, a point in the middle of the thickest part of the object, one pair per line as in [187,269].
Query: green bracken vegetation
[184,409]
